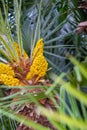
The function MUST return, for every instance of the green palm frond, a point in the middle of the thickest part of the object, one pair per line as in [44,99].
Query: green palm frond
[57,22]
[57,26]
[7,123]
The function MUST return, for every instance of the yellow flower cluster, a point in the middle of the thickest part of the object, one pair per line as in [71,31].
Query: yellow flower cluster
[38,68]
[18,51]
[39,65]
[9,80]
[7,75]
[38,50]
[6,69]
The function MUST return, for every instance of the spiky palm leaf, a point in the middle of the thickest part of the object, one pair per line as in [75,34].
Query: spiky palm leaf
[57,22]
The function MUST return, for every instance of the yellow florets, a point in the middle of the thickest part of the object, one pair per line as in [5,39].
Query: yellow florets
[7,75]
[6,69]
[9,80]
[18,51]
[34,69]
[39,65]
[38,50]
[38,68]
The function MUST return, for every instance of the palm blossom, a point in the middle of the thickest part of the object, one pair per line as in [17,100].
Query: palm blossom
[55,22]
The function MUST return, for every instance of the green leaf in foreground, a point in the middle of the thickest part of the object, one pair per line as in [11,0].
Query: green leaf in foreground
[62,118]
[20,118]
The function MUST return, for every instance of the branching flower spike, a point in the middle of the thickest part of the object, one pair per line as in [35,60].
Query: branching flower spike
[9,80]
[38,68]
[34,68]
[6,69]
[38,50]
[7,75]
[39,65]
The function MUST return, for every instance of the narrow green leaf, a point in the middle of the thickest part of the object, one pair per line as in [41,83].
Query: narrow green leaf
[20,118]
[62,118]
[82,69]
[7,47]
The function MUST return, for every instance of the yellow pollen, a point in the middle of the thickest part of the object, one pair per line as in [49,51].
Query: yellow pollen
[38,68]
[6,69]
[9,80]
[38,50]
[18,51]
